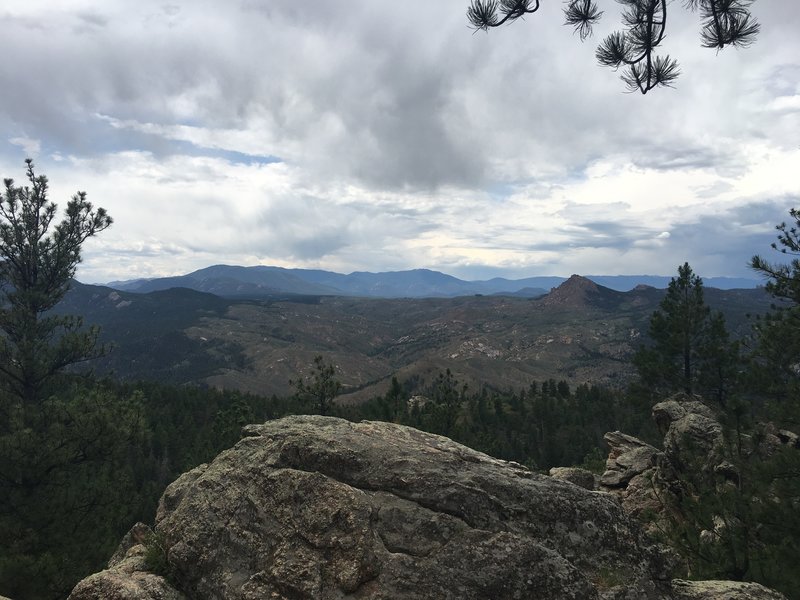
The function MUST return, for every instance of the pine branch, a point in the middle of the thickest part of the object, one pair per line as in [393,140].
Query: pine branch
[725,22]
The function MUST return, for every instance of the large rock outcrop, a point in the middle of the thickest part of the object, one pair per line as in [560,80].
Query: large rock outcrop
[318,507]
[643,477]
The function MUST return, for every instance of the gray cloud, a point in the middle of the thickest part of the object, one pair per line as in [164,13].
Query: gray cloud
[688,155]
[89,21]
[723,243]
[380,96]
[308,228]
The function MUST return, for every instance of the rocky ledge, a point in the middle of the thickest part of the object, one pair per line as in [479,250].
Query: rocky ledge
[311,507]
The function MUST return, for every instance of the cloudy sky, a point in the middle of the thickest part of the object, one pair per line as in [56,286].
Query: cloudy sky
[369,135]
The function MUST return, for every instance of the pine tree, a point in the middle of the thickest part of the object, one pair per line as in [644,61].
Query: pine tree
[783,278]
[60,445]
[321,388]
[721,362]
[691,350]
[38,258]
[777,359]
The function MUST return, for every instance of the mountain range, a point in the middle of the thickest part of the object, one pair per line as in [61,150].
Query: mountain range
[580,332]
[264,281]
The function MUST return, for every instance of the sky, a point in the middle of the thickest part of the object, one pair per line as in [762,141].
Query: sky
[359,135]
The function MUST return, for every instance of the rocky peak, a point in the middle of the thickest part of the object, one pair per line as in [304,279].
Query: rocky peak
[574,292]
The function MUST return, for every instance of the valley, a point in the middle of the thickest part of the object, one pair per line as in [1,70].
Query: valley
[580,332]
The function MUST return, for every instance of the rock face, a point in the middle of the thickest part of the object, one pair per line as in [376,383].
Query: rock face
[314,507]
[642,476]
[628,475]
[318,507]
[645,479]
[628,457]
[691,430]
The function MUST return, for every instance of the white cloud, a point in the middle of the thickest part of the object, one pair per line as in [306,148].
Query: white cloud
[785,103]
[30,146]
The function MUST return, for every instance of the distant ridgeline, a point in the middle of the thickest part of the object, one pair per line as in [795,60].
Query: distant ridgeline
[260,281]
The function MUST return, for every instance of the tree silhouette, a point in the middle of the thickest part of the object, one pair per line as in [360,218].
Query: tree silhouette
[783,279]
[38,258]
[778,351]
[690,349]
[321,388]
[724,23]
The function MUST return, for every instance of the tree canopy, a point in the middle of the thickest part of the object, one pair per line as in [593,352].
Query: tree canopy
[38,258]
[321,388]
[778,348]
[690,349]
[783,278]
[633,50]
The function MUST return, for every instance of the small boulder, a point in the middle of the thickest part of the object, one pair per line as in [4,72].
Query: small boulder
[789,438]
[580,477]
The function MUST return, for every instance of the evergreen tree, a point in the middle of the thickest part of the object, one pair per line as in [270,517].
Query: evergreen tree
[783,278]
[59,446]
[777,356]
[447,399]
[721,362]
[321,388]
[691,350]
[38,258]
[67,489]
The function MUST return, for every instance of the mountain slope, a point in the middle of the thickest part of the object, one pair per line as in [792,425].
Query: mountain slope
[232,282]
[580,332]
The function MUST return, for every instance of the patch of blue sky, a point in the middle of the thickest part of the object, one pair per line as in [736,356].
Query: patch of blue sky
[107,140]
[233,156]
[161,146]
[13,153]
[577,173]
[501,190]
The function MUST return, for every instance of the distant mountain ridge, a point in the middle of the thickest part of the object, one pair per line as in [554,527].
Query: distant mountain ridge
[263,281]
